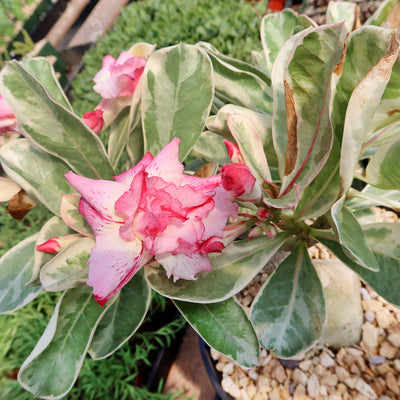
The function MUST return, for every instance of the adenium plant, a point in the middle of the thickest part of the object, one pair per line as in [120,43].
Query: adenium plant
[294,150]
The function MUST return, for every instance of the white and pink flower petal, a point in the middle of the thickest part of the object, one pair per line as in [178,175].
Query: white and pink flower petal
[127,176]
[217,218]
[97,222]
[183,266]
[166,163]
[113,262]
[100,194]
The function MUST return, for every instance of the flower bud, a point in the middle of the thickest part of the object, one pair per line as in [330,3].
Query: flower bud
[94,120]
[239,181]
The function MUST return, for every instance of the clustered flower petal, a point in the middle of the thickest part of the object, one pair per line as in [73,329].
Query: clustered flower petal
[119,77]
[152,210]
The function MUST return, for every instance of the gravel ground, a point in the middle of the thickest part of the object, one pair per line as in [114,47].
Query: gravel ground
[368,370]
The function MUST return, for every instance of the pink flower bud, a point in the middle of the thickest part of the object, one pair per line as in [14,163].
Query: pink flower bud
[56,244]
[94,120]
[263,214]
[239,181]
[233,152]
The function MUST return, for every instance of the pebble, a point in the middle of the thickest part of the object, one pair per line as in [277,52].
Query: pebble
[313,386]
[387,350]
[326,360]
[369,335]
[376,360]
[229,387]
[365,389]
[392,383]
[369,316]
[394,339]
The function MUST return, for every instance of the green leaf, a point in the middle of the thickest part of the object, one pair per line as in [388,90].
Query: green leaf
[69,268]
[135,145]
[122,318]
[262,122]
[43,71]
[351,236]
[289,311]
[365,48]
[277,28]
[119,133]
[318,53]
[361,107]
[69,211]
[123,125]
[210,147]
[383,170]
[176,97]
[240,84]
[250,145]
[384,238]
[51,126]
[52,228]
[339,11]
[40,174]
[54,364]
[385,281]
[380,15]
[15,272]
[225,327]
[371,196]
[233,270]
[318,197]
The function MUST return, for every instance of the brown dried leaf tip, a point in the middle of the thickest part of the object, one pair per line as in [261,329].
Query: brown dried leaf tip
[19,205]
[291,123]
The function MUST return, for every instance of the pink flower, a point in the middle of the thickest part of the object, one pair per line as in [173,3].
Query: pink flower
[119,77]
[94,120]
[8,121]
[152,210]
[238,180]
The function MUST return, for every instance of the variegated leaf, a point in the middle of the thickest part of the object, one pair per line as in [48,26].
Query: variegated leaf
[289,312]
[360,109]
[69,268]
[52,368]
[122,318]
[277,28]
[42,69]
[343,11]
[351,236]
[177,96]
[69,211]
[52,228]
[371,196]
[383,170]
[263,124]
[40,174]
[225,327]
[319,52]
[15,272]
[51,126]
[250,145]
[240,84]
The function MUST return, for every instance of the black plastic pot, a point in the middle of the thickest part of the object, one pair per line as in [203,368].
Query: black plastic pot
[214,375]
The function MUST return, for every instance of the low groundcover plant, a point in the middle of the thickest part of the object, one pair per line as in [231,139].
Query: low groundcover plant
[225,164]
